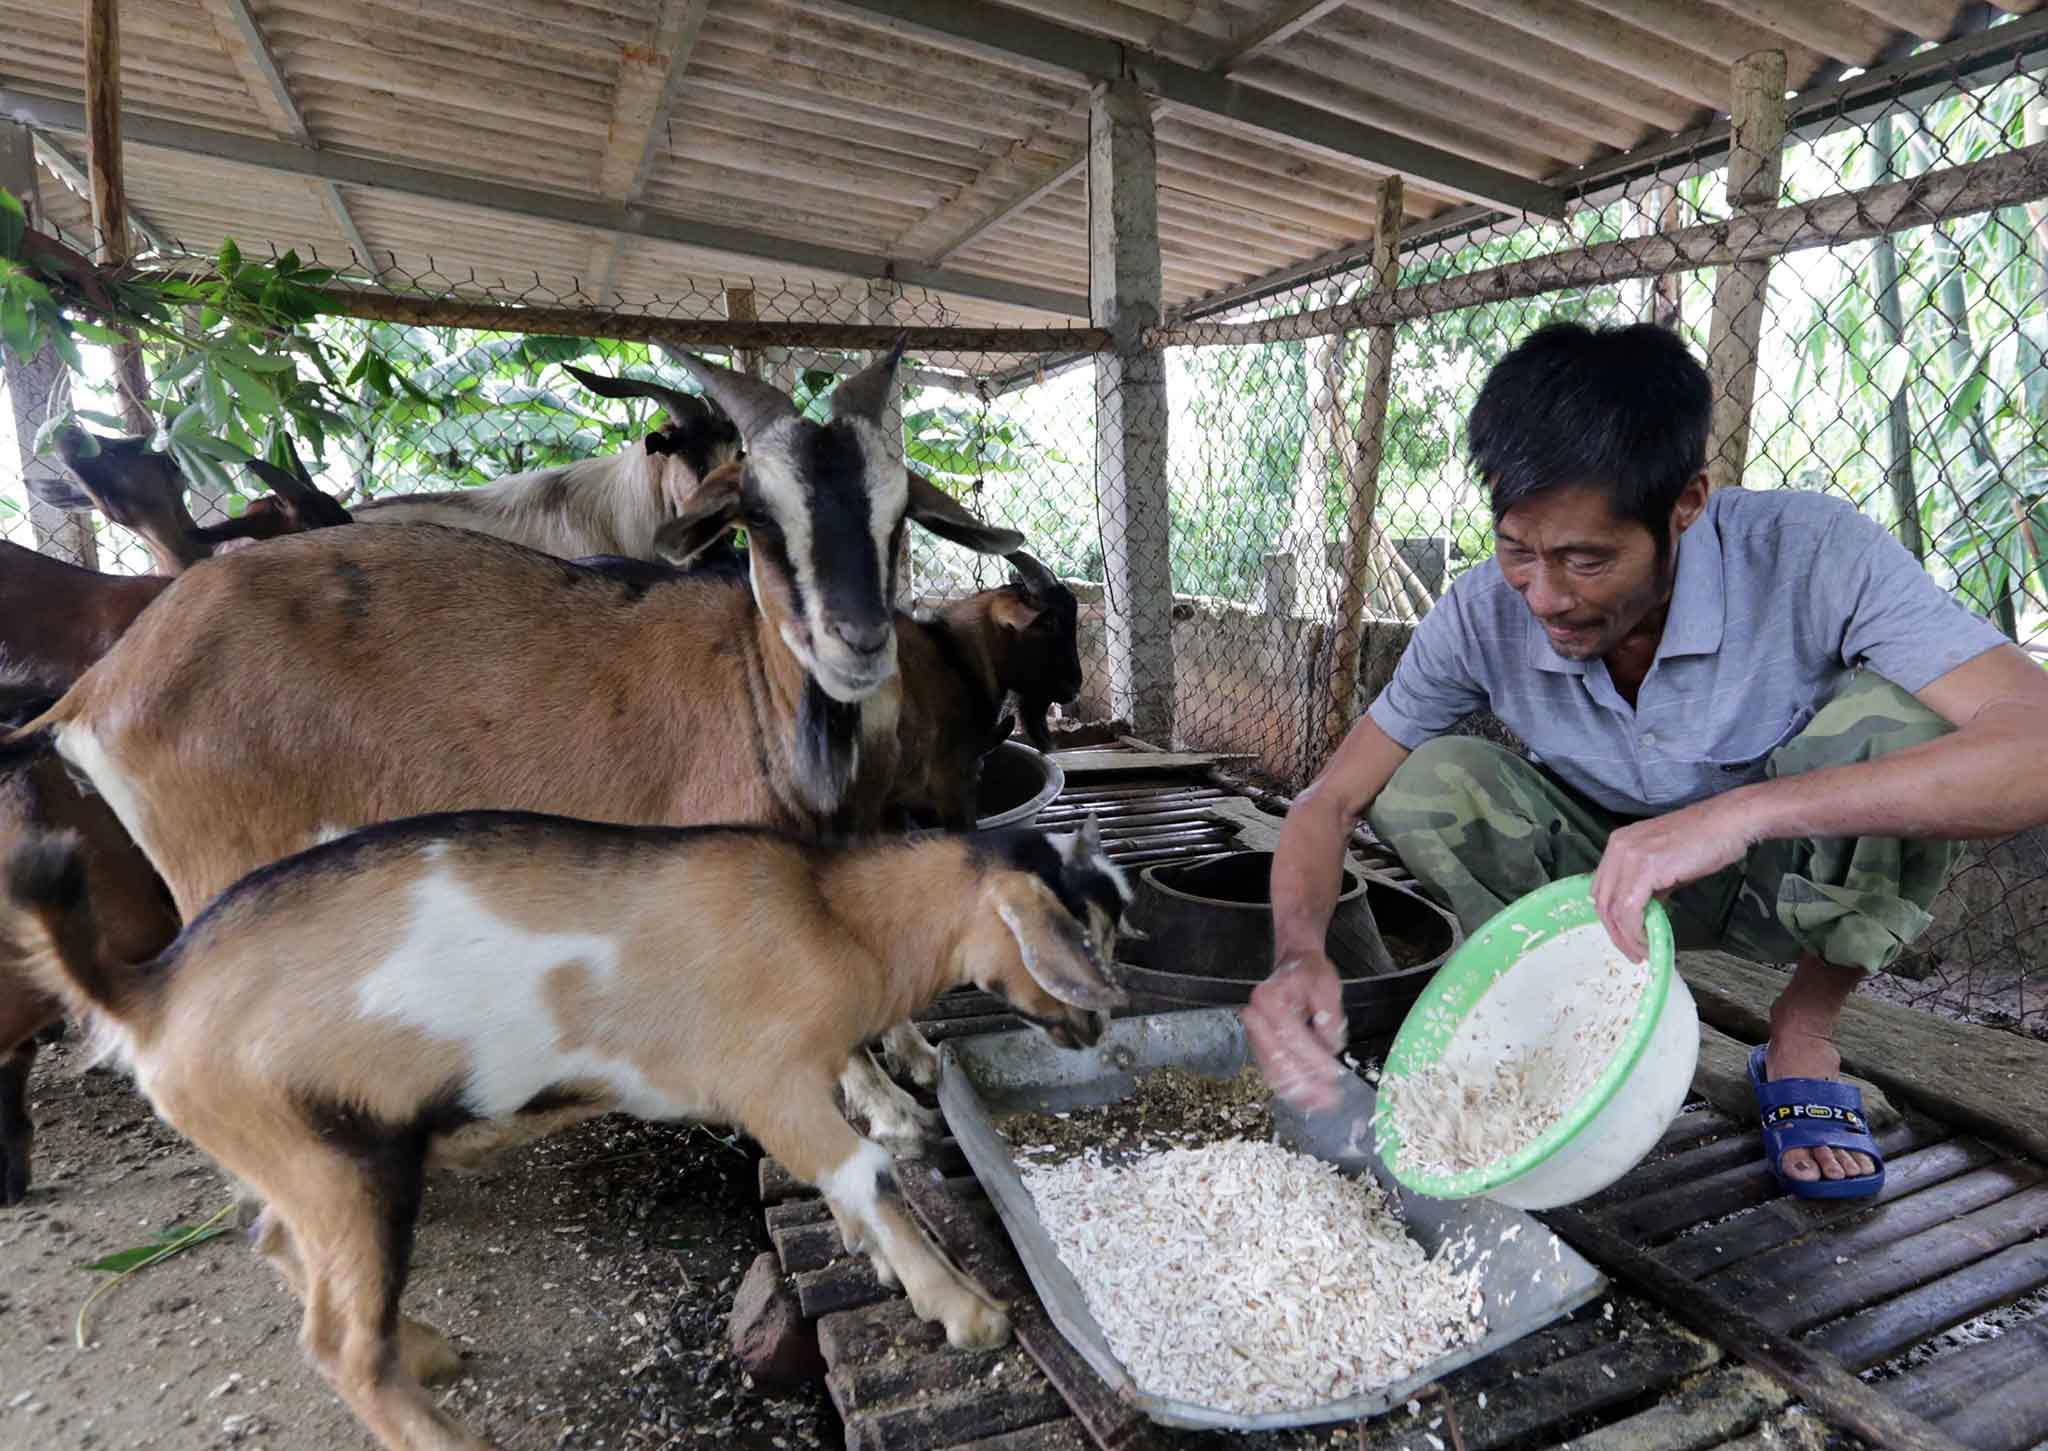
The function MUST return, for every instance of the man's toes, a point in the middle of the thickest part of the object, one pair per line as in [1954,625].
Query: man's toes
[1833,1165]
[1798,1164]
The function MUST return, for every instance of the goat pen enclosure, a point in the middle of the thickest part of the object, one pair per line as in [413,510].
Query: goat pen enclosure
[1258,495]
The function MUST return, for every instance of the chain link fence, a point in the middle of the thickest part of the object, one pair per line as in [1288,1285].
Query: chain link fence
[1236,522]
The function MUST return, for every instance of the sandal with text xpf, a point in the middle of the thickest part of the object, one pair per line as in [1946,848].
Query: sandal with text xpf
[1814,1113]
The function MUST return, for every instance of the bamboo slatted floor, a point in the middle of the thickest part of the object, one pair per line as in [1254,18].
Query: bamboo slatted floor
[1738,1317]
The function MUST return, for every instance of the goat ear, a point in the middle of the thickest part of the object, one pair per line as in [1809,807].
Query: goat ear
[866,393]
[59,492]
[1053,945]
[710,516]
[937,511]
[753,406]
[1013,614]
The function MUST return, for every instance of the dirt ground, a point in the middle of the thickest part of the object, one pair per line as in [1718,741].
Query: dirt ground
[586,1280]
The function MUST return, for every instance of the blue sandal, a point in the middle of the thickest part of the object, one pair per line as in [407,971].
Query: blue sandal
[1814,1113]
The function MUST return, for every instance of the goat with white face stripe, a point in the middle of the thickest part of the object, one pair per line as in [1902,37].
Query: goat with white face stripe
[824,506]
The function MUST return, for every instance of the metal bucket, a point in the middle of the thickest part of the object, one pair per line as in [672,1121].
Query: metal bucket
[1210,939]
[1017,782]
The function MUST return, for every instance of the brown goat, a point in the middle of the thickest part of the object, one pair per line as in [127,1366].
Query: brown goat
[432,988]
[136,917]
[56,620]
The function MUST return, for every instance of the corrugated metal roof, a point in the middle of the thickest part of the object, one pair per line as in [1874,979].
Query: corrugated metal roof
[825,125]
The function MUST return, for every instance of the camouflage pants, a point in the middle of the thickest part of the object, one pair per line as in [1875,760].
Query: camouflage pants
[1479,826]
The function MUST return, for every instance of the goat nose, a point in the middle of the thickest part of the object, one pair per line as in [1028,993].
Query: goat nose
[868,639]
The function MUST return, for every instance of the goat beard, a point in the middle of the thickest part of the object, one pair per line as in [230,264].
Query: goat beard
[827,748]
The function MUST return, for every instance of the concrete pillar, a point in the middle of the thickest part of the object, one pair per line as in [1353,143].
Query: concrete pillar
[1124,289]
[37,386]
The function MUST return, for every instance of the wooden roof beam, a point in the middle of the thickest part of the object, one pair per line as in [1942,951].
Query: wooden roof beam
[1091,59]
[61,166]
[67,116]
[242,39]
[648,85]
[1286,20]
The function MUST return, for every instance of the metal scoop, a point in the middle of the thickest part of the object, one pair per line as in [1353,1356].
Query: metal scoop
[1341,1135]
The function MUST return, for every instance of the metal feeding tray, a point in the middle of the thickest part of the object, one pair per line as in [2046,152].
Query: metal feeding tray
[1023,1072]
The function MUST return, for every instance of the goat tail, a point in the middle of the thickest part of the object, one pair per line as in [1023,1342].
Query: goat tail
[25,734]
[46,886]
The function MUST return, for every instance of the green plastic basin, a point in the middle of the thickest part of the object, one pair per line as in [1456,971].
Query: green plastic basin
[1631,1102]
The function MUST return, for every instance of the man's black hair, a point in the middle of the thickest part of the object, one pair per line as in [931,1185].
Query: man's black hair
[1623,409]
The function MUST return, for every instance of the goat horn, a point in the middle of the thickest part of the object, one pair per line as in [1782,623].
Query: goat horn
[866,393]
[752,405]
[679,405]
[1035,576]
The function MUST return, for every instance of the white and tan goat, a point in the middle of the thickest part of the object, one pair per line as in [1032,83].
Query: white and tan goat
[430,988]
[612,505]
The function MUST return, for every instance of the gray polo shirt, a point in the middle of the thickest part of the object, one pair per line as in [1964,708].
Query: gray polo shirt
[1779,595]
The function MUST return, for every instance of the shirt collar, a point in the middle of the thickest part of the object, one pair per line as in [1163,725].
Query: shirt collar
[1698,607]
[1699,600]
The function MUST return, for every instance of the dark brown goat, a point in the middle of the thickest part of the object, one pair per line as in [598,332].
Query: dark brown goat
[55,621]
[145,491]
[960,665]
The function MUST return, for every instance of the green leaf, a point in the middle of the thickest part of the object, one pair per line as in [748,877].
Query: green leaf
[189,423]
[181,367]
[13,223]
[142,1254]
[92,332]
[555,349]
[47,434]
[214,394]
[201,469]
[104,420]
[230,258]
[60,339]
[1966,398]
[251,392]
[216,448]
[263,362]
[17,328]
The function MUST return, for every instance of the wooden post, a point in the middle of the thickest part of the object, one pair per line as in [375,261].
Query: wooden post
[36,386]
[109,192]
[1323,450]
[1361,532]
[1756,158]
[1125,290]
[739,307]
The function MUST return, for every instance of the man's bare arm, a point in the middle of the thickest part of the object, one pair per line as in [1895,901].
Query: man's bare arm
[1308,868]
[1983,780]
[1295,1020]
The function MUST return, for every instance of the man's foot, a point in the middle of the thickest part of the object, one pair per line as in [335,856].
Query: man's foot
[1798,1054]
[1802,1045]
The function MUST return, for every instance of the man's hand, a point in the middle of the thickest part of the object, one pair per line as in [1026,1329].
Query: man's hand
[1661,855]
[1295,1024]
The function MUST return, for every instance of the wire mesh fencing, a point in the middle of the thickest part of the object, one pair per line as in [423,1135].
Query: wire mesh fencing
[1247,536]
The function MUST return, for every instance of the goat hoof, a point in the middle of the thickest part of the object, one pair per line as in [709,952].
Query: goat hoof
[885,1273]
[920,1066]
[426,1353]
[982,1327]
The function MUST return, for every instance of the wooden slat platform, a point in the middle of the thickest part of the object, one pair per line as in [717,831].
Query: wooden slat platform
[1713,1267]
